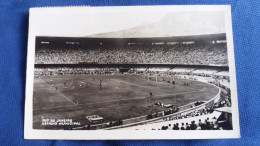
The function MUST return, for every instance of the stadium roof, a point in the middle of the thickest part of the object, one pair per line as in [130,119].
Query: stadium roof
[89,40]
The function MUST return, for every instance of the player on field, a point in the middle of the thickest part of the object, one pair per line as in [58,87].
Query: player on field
[81,83]
[100,84]
[65,85]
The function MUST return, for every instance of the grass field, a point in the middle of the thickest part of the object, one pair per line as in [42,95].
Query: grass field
[122,96]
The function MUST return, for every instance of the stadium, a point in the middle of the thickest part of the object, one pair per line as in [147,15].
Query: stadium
[153,83]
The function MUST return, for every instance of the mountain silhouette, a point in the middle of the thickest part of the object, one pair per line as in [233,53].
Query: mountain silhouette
[174,24]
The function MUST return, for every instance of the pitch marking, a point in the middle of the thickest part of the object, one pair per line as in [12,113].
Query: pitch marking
[59,92]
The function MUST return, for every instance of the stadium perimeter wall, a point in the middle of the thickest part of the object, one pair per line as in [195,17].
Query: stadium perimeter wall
[143,119]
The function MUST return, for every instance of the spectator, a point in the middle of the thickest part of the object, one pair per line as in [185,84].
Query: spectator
[182,126]
[187,126]
[193,125]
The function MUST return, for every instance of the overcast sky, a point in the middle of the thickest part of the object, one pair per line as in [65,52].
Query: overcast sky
[84,21]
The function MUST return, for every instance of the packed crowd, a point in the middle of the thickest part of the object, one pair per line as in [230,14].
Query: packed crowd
[198,54]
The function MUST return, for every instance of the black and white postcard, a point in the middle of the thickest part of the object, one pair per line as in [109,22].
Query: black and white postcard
[134,72]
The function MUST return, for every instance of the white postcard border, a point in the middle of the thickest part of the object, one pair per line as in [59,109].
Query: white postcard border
[30,133]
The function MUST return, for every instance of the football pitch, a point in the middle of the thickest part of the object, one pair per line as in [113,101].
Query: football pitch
[112,97]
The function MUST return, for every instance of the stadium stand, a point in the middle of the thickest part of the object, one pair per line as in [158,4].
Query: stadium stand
[194,54]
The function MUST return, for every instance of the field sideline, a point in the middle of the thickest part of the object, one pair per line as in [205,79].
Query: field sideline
[122,96]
